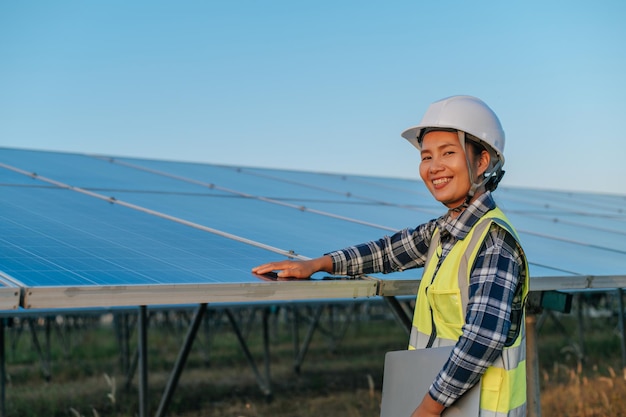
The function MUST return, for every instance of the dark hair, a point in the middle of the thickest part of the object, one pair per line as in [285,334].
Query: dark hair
[477,146]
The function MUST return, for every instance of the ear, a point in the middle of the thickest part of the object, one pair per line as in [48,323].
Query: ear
[483,162]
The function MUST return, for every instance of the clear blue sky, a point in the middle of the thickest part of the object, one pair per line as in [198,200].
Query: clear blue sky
[317,85]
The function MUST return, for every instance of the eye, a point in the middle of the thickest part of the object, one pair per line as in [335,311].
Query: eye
[426,157]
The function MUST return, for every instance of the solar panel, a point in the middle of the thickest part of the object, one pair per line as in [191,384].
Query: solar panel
[57,238]
[84,230]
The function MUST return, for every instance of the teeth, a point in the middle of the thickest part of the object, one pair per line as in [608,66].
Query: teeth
[441,181]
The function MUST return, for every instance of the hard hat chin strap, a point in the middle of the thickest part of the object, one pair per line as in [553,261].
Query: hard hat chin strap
[492,179]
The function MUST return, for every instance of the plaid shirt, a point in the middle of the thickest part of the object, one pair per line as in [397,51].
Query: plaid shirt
[494,290]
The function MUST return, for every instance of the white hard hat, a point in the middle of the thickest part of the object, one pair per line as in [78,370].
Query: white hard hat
[467,114]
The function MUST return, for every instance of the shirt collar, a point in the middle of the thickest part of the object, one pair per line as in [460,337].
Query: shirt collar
[461,226]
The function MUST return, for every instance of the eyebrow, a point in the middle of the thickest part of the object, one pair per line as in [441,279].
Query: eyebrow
[441,146]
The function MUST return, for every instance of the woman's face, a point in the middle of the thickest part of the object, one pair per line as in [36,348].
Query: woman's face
[443,167]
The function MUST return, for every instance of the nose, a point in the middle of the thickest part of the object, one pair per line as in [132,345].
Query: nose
[435,165]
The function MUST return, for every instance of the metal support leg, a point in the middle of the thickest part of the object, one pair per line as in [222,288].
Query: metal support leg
[581,328]
[45,365]
[336,332]
[331,325]
[207,332]
[295,328]
[47,324]
[622,329]
[134,363]
[123,336]
[266,351]
[578,347]
[307,340]
[132,369]
[181,360]
[143,361]
[399,313]
[532,368]
[2,369]
[543,317]
[63,335]
[264,385]
[343,329]
[250,322]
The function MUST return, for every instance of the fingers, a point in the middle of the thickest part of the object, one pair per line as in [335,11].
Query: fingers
[286,269]
[261,269]
[268,267]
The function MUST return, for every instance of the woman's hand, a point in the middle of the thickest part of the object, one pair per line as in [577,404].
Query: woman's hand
[428,408]
[296,269]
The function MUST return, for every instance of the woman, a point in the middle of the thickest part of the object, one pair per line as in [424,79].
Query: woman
[475,280]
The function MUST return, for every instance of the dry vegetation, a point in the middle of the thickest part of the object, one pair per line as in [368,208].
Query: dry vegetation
[341,373]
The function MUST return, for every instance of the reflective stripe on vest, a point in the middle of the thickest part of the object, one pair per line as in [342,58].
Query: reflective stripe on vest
[444,302]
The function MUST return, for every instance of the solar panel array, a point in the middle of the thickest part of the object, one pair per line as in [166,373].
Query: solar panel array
[90,230]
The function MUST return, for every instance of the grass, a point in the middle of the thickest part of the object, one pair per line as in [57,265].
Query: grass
[341,373]
[592,384]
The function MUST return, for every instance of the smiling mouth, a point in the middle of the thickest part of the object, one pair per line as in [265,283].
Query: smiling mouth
[441,181]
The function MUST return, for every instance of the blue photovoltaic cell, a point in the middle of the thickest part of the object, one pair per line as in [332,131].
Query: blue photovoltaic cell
[365,188]
[60,237]
[560,203]
[288,185]
[610,240]
[287,228]
[90,172]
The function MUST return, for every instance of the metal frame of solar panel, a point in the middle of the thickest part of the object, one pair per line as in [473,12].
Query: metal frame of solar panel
[92,231]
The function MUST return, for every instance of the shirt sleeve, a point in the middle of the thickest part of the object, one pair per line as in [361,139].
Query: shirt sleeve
[494,283]
[403,250]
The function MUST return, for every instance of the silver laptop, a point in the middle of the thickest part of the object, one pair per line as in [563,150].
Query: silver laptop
[407,377]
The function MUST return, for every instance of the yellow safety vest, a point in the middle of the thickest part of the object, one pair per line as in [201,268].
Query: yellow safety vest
[443,301]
